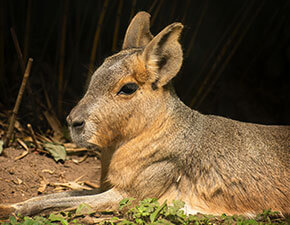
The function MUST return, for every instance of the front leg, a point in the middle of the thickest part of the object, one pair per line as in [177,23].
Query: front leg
[108,200]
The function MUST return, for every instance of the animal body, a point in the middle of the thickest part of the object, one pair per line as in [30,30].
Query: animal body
[153,145]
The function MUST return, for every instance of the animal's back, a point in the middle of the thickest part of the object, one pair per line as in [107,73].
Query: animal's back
[237,166]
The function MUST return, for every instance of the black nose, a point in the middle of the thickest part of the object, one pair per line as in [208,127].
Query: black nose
[77,123]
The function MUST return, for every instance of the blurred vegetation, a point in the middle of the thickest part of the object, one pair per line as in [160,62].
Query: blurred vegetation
[148,211]
[236,53]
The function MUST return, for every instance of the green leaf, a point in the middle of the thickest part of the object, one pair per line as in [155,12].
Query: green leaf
[58,218]
[84,209]
[140,221]
[252,221]
[41,220]
[193,218]
[12,220]
[1,146]
[154,215]
[177,204]
[57,151]
[29,221]
[125,202]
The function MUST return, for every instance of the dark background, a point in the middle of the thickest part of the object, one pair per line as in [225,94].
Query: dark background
[236,53]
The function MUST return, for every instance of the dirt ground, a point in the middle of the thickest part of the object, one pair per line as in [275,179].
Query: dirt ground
[24,178]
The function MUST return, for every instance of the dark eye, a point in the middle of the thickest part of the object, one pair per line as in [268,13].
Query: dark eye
[128,89]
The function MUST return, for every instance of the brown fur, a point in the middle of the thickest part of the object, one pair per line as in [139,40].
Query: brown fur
[154,146]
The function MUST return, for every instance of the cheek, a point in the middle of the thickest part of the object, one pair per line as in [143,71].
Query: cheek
[105,123]
[121,120]
[134,125]
[138,117]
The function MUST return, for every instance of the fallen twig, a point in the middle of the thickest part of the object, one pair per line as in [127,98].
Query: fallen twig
[33,136]
[54,124]
[18,101]
[43,184]
[23,144]
[72,150]
[43,138]
[47,171]
[90,184]
[81,160]
[24,153]
[71,184]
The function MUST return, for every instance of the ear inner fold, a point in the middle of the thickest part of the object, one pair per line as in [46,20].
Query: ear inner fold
[163,55]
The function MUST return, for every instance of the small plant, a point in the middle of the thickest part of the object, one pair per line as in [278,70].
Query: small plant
[148,211]
[52,219]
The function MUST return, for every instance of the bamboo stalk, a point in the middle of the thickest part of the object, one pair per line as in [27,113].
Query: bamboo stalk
[237,44]
[97,35]
[27,31]
[133,9]
[18,50]
[200,20]
[18,101]
[172,11]
[187,6]
[62,59]
[2,44]
[49,34]
[213,52]
[156,12]
[152,6]
[117,25]
[271,28]
[222,52]
[75,56]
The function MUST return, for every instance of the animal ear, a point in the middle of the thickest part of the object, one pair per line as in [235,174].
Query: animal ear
[138,33]
[163,55]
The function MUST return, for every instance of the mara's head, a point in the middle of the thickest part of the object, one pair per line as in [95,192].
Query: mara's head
[128,92]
